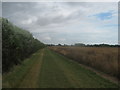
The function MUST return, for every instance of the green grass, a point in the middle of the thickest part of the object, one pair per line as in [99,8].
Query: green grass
[75,75]
[51,75]
[56,71]
[14,78]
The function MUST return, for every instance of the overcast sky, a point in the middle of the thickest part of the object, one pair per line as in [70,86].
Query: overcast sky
[66,22]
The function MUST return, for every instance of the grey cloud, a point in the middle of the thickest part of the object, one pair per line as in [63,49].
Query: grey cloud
[0,9]
[76,4]
[49,19]
[24,11]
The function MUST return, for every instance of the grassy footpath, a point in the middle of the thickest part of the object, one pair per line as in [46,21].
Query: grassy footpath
[21,75]
[47,69]
[63,72]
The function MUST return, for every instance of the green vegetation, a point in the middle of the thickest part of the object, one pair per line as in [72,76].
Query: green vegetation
[104,59]
[17,44]
[14,78]
[47,69]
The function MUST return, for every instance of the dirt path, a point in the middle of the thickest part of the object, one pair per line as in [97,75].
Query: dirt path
[31,79]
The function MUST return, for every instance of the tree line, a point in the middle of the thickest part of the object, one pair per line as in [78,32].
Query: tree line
[17,44]
[86,45]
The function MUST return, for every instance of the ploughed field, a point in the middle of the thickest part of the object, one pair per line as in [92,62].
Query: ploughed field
[48,69]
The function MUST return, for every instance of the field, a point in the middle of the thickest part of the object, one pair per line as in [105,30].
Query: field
[104,59]
[59,44]
[48,69]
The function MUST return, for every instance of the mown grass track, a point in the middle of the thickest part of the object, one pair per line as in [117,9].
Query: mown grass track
[47,69]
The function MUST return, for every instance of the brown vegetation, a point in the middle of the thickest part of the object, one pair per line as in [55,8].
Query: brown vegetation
[104,59]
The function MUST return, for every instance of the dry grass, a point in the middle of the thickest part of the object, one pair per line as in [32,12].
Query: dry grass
[104,59]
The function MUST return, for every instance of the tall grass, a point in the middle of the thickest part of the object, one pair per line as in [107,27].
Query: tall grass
[104,59]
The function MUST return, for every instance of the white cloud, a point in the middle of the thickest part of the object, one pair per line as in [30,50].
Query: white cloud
[47,38]
[58,18]
[62,39]
[61,1]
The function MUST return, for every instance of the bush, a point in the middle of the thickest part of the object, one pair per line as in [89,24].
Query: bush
[17,44]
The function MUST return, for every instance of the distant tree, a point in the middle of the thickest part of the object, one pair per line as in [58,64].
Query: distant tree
[50,45]
[59,45]
[65,45]
[79,44]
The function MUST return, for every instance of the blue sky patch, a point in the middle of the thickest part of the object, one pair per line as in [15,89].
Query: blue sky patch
[104,15]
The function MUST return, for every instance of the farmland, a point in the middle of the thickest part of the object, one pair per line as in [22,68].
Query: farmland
[57,44]
[47,69]
[104,59]
[29,63]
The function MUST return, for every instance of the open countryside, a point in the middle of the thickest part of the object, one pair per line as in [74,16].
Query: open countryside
[60,45]
[47,69]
